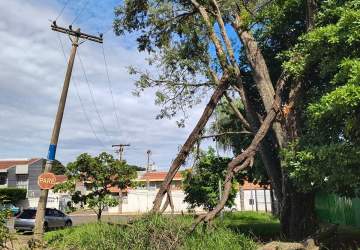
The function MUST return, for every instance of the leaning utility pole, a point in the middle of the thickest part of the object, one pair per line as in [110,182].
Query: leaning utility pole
[147,179]
[74,35]
[120,150]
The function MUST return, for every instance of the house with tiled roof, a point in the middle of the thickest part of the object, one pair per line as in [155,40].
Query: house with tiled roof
[155,179]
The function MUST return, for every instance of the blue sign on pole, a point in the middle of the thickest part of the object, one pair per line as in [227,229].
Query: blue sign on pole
[51,152]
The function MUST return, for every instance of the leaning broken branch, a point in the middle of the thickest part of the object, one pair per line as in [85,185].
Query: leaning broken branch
[246,158]
[191,140]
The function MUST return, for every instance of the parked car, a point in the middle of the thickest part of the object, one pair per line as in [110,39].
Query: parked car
[10,207]
[54,218]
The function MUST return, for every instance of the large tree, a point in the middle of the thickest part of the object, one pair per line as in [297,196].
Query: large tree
[250,48]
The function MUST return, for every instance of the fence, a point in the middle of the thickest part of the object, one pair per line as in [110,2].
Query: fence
[334,209]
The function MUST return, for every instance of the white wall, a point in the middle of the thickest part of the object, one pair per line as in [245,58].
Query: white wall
[258,197]
[139,201]
[54,200]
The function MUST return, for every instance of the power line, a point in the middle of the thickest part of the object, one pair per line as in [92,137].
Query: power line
[92,96]
[80,100]
[110,87]
[79,13]
[62,10]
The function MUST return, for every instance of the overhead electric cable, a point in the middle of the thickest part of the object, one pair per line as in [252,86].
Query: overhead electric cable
[110,88]
[81,101]
[92,96]
[80,12]
[62,10]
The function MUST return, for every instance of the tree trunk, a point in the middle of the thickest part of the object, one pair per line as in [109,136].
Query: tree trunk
[310,14]
[120,200]
[297,216]
[190,142]
[296,209]
[98,214]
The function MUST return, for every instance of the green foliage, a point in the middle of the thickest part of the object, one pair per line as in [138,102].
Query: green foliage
[98,174]
[201,183]
[148,232]
[327,155]
[58,168]
[332,167]
[5,235]
[12,195]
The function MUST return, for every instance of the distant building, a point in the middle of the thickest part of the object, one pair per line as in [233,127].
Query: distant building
[23,173]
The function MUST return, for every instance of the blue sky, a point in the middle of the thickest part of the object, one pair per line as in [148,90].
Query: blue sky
[32,71]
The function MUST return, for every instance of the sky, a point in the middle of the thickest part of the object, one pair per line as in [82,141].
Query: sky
[32,69]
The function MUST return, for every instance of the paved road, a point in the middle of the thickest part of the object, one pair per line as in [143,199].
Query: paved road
[79,219]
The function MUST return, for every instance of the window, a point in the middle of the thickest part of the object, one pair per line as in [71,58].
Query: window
[3,178]
[22,181]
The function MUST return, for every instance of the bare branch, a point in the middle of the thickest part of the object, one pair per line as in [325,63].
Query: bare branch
[225,133]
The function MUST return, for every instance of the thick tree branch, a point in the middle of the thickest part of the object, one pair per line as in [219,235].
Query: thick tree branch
[224,33]
[191,140]
[218,47]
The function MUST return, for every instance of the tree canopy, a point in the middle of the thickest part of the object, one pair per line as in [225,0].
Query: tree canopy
[98,174]
[201,183]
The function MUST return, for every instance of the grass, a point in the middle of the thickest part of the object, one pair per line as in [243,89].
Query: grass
[148,232]
[261,226]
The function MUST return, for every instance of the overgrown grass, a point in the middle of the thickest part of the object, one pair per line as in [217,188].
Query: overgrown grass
[260,226]
[148,232]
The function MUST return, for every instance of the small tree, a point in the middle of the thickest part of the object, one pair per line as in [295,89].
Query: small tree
[201,184]
[98,174]
[58,168]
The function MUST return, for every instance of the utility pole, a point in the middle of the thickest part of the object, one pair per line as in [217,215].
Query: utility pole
[120,150]
[74,35]
[147,178]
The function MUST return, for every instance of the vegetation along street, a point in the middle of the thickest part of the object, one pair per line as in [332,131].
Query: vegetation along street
[186,124]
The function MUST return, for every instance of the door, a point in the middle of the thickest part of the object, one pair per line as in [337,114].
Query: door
[60,218]
[50,218]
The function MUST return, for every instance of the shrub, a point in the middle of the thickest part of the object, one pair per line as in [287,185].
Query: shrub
[148,232]
[13,195]
[5,235]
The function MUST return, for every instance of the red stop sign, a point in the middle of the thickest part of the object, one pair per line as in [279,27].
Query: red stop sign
[46,180]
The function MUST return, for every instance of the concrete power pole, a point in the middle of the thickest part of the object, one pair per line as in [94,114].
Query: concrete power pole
[120,150]
[75,35]
[147,179]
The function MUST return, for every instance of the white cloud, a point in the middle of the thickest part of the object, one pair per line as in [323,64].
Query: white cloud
[31,77]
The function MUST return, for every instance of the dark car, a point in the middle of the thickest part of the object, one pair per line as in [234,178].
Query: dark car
[54,218]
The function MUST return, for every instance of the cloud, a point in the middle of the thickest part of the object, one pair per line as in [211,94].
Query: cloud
[31,77]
